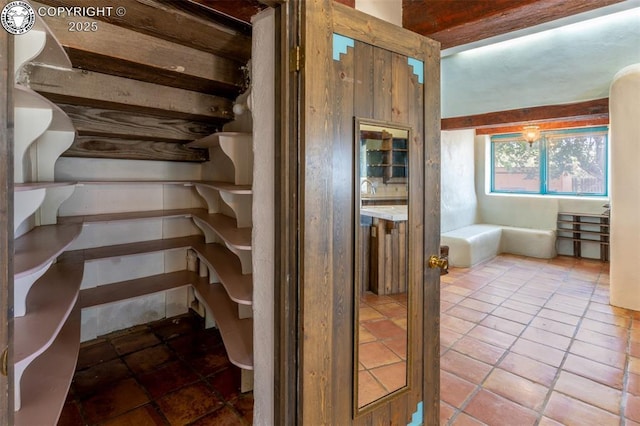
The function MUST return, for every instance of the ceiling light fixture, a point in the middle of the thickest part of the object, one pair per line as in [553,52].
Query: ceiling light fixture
[531,134]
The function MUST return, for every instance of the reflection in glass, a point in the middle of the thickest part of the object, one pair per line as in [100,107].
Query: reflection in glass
[381,256]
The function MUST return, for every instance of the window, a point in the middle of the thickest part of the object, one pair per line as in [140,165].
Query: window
[561,162]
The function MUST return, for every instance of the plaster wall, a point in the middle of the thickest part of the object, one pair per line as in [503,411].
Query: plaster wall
[624,104]
[459,206]
[527,211]
[568,64]
[389,10]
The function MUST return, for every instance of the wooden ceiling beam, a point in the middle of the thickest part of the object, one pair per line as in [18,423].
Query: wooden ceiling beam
[167,21]
[98,90]
[595,111]
[143,57]
[454,23]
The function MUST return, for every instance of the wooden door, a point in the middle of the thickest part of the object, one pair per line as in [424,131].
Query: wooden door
[317,269]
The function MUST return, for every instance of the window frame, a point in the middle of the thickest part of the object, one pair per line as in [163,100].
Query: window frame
[544,160]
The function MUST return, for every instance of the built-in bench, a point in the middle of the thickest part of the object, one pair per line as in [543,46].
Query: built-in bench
[476,243]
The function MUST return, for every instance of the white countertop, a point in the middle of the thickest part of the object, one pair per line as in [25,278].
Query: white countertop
[395,213]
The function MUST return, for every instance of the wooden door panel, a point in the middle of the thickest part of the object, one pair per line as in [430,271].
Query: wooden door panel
[374,80]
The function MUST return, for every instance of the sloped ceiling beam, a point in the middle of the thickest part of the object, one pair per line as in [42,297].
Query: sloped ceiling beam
[455,22]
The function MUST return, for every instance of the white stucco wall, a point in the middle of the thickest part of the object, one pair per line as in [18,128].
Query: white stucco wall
[388,10]
[264,120]
[526,211]
[563,65]
[624,109]
[459,206]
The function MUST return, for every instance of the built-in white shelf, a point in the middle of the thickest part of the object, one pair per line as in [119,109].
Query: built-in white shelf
[44,385]
[237,146]
[227,267]
[49,304]
[40,246]
[226,228]
[237,334]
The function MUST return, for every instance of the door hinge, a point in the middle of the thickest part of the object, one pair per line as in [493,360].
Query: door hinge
[296,59]
[4,362]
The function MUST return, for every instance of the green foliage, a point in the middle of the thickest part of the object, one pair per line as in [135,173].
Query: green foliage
[578,155]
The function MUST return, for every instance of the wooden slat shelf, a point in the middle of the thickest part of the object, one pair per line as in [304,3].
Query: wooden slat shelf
[570,231]
[583,226]
[225,227]
[214,139]
[584,240]
[227,266]
[31,186]
[571,222]
[237,334]
[227,187]
[129,249]
[49,303]
[137,215]
[123,290]
[45,383]
[36,248]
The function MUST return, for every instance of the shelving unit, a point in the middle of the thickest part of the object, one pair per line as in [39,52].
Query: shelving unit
[230,265]
[386,156]
[585,228]
[54,248]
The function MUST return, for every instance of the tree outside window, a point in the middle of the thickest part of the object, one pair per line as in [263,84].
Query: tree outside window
[570,162]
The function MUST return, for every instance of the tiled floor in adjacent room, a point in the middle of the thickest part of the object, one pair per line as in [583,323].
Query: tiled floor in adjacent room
[171,372]
[526,341]
[523,342]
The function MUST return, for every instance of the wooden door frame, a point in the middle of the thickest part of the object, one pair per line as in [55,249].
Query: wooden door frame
[6,222]
[310,24]
[286,333]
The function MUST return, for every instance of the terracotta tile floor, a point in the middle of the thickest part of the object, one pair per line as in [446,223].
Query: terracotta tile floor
[383,346]
[523,342]
[171,372]
[527,341]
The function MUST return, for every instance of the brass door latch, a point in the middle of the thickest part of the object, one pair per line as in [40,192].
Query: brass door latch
[4,362]
[438,262]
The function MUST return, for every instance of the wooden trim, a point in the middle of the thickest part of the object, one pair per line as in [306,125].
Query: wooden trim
[597,109]
[6,221]
[287,336]
[355,24]
[551,125]
[431,297]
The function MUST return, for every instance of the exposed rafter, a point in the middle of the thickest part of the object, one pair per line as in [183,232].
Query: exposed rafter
[571,115]
[454,22]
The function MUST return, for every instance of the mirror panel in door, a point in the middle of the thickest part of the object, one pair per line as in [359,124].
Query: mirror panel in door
[381,261]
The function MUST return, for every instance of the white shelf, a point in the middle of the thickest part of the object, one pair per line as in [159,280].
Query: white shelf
[237,334]
[227,267]
[43,389]
[238,147]
[40,246]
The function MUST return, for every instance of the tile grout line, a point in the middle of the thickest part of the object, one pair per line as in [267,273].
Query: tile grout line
[557,291]
[480,386]
[559,371]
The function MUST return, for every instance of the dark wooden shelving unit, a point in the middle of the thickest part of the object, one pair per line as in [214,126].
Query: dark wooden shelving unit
[585,228]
